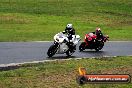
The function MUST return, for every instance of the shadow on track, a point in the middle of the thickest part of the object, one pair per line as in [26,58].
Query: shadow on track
[82,54]
[91,51]
[60,57]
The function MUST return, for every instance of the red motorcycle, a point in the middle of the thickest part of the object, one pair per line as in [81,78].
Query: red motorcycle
[92,42]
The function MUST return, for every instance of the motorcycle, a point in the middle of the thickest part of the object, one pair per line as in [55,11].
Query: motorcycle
[91,42]
[60,45]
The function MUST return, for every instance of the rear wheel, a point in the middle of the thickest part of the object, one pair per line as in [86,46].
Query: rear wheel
[69,52]
[52,50]
[82,46]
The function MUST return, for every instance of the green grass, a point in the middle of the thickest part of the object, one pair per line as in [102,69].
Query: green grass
[62,74]
[39,20]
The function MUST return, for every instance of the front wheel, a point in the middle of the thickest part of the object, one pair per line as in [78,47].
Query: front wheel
[69,52]
[52,50]
[100,46]
[82,46]
[97,49]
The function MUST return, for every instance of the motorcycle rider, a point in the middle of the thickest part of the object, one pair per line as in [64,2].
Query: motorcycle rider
[69,30]
[99,34]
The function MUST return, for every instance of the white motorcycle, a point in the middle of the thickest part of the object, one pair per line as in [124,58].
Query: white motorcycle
[60,45]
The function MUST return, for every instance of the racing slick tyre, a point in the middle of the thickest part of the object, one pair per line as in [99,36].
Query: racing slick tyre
[100,46]
[52,50]
[69,52]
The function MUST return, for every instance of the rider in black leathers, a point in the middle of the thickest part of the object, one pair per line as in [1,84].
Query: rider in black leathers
[69,31]
[99,34]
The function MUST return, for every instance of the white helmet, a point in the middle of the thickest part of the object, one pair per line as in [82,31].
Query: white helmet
[98,29]
[69,26]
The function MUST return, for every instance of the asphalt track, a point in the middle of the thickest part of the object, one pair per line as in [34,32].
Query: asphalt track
[19,52]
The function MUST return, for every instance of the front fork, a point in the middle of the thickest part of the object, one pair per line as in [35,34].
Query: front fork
[56,44]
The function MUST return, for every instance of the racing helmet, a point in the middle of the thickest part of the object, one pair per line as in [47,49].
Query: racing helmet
[98,29]
[69,26]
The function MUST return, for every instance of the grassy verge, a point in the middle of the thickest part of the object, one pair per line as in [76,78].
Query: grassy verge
[60,74]
[31,20]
